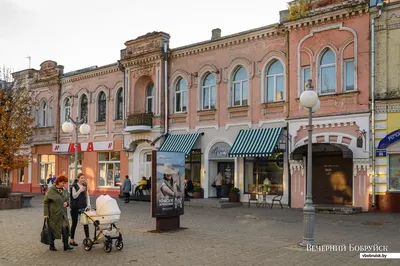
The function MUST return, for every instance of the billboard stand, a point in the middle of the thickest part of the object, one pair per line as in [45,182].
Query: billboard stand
[167,189]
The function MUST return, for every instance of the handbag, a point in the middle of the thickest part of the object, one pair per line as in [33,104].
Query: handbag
[213,184]
[44,235]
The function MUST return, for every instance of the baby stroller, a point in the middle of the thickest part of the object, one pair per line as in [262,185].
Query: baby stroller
[103,218]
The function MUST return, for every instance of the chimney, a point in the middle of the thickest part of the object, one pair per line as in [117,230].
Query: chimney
[215,34]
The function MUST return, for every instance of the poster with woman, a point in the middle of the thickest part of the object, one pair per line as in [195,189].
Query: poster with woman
[170,184]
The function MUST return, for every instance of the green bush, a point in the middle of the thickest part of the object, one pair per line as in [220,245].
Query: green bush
[235,190]
[198,189]
[4,191]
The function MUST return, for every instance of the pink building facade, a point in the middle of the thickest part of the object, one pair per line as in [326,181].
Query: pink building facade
[236,98]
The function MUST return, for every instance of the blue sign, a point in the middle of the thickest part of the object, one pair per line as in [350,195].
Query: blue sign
[381,153]
[389,139]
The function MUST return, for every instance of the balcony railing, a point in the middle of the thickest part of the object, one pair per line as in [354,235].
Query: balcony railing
[140,119]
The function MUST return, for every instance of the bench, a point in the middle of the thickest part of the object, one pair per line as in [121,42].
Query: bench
[26,201]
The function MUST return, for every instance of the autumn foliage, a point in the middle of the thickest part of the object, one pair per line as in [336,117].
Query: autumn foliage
[16,120]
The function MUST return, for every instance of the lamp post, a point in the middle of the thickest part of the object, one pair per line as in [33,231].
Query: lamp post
[309,100]
[68,127]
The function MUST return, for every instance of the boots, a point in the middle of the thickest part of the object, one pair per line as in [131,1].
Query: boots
[52,247]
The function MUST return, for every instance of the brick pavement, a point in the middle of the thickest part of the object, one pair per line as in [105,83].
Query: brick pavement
[236,236]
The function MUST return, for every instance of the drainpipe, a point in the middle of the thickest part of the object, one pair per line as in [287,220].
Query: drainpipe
[122,69]
[287,115]
[379,6]
[166,86]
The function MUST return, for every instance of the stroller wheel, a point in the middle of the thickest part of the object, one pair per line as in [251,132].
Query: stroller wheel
[107,246]
[119,244]
[87,244]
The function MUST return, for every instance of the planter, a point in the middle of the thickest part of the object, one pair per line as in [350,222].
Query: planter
[234,197]
[197,195]
[14,201]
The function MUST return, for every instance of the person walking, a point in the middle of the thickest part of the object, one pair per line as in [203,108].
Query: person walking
[127,187]
[55,211]
[80,200]
[218,183]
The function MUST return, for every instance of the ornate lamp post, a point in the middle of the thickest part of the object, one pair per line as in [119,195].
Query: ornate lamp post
[68,127]
[309,100]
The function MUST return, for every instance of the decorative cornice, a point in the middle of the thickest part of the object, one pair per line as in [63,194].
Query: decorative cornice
[47,83]
[90,74]
[328,17]
[134,62]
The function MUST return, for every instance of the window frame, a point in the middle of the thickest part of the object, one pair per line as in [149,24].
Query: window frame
[52,166]
[119,104]
[64,111]
[101,119]
[43,114]
[302,77]
[22,169]
[240,82]
[86,119]
[181,92]
[150,97]
[275,77]
[345,61]
[212,93]
[113,162]
[321,66]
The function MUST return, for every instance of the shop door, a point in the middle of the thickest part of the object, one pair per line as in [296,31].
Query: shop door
[332,181]
[227,169]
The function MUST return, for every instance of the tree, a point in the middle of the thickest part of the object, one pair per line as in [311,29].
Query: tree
[16,120]
[298,9]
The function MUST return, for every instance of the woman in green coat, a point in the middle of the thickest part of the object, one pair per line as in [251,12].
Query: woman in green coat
[55,211]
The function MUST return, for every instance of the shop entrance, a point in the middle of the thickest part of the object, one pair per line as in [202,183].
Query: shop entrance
[227,170]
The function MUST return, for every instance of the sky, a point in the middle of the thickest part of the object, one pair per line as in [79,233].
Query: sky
[83,33]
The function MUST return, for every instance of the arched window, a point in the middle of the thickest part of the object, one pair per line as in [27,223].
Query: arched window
[275,81]
[101,107]
[66,110]
[150,98]
[208,97]
[43,114]
[83,109]
[120,104]
[328,72]
[240,87]
[180,97]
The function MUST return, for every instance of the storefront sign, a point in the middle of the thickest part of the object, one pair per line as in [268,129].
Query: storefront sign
[381,153]
[170,189]
[389,139]
[88,146]
[219,150]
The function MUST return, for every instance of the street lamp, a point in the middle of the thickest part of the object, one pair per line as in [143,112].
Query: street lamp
[309,100]
[68,127]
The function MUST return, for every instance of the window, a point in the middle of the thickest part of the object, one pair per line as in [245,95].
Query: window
[43,113]
[394,169]
[67,110]
[109,169]
[72,165]
[120,105]
[147,161]
[193,167]
[180,99]
[275,82]
[264,174]
[150,98]
[208,92]
[305,76]
[349,75]
[21,175]
[47,167]
[102,107]
[83,112]
[240,87]
[328,72]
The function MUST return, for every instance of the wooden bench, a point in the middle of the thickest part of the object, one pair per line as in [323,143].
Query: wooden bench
[26,201]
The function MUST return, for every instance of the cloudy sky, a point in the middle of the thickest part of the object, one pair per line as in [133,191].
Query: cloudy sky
[83,33]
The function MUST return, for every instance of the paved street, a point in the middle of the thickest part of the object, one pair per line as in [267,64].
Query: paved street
[235,236]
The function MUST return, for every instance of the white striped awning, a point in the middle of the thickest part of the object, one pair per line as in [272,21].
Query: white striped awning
[180,143]
[255,142]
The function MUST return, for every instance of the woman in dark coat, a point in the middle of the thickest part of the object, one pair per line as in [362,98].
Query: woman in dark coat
[55,211]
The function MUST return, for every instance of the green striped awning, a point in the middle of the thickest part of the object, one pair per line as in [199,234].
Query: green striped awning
[180,143]
[255,142]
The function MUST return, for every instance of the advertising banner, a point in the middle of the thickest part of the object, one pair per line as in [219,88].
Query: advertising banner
[170,187]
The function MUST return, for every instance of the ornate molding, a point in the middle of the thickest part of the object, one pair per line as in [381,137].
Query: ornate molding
[90,74]
[360,164]
[297,165]
[144,71]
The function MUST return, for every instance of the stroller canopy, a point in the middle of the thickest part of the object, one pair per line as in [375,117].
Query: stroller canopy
[105,205]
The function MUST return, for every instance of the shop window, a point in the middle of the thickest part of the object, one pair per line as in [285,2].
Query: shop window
[109,169]
[394,169]
[264,174]
[47,167]
[72,165]
[21,175]
[193,166]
